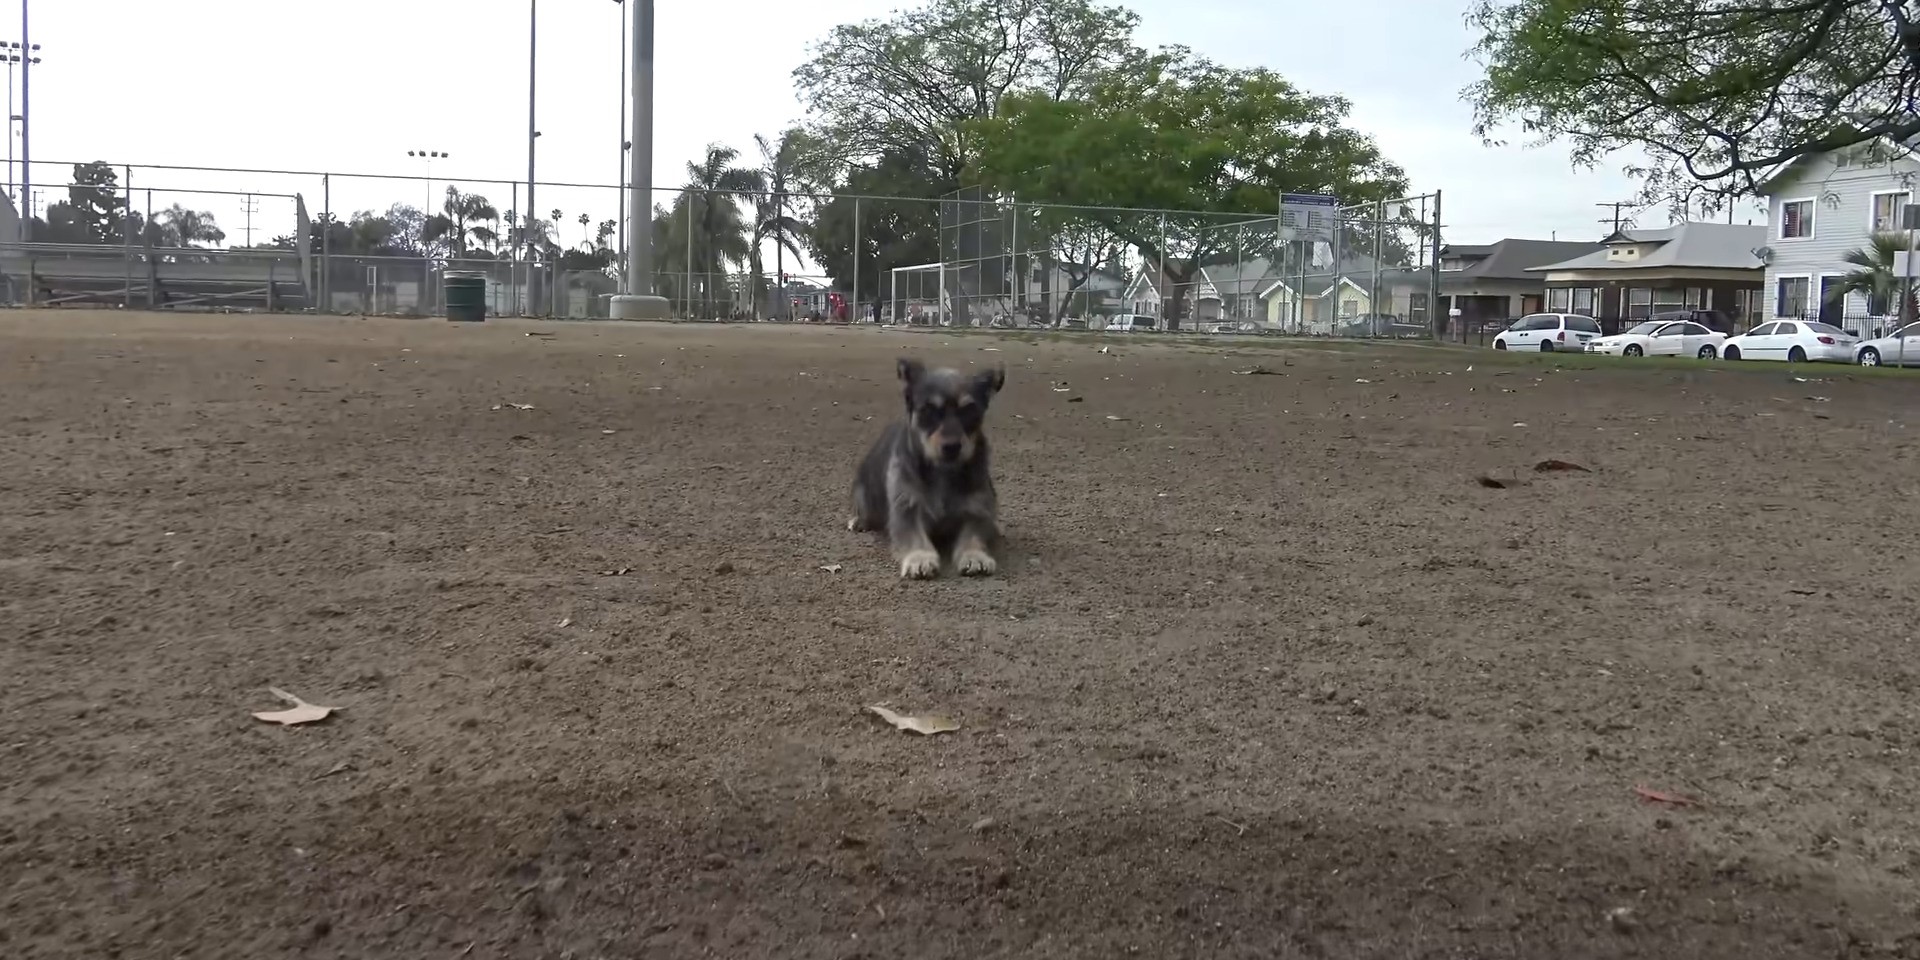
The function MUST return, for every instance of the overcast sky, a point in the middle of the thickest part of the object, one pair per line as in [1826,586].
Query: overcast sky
[350,85]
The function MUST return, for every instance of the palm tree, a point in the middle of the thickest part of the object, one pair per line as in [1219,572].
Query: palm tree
[779,165]
[181,227]
[1873,276]
[715,184]
[460,217]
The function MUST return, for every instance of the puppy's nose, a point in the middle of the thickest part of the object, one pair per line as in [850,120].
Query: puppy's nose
[950,449]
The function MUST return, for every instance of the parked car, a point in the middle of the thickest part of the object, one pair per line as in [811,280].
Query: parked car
[1795,341]
[1661,338]
[1711,319]
[1900,348]
[1129,323]
[1548,332]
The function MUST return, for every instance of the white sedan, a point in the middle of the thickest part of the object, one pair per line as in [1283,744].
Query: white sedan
[1795,341]
[1900,348]
[1662,338]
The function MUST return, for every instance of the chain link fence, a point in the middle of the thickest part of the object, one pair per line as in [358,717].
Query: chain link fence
[163,237]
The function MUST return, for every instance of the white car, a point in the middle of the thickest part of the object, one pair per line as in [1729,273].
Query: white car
[1548,332]
[1662,338]
[1129,323]
[1795,341]
[1900,348]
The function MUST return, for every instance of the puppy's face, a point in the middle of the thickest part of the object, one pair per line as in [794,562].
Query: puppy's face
[947,410]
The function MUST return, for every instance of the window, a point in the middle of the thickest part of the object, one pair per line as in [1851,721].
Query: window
[1559,298]
[1670,299]
[1796,219]
[1886,211]
[1671,330]
[1539,321]
[1583,301]
[1643,329]
[1763,330]
[1790,296]
[1694,298]
[1583,324]
[1826,328]
[1639,303]
[1696,330]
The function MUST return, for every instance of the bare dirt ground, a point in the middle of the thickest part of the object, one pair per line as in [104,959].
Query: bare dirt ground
[1267,673]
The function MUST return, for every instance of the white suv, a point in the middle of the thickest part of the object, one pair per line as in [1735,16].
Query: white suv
[1547,332]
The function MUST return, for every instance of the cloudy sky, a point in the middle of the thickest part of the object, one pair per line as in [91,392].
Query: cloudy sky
[350,86]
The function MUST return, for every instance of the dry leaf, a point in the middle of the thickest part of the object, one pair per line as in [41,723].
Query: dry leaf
[830,567]
[1546,466]
[566,621]
[926,726]
[302,711]
[1661,796]
[1112,417]
[1492,484]
[1363,381]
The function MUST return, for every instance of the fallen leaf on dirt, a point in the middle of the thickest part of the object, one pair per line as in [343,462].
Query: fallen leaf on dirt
[1547,466]
[301,712]
[539,334]
[1818,399]
[1112,417]
[1363,381]
[926,726]
[1661,796]
[616,572]
[1062,389]
[606,431]
[1076,399]
[566,621]
[1256,372]
[830,567]
[1519,423]
[1469,368]
[990,349]
[513,406]
[1491,484]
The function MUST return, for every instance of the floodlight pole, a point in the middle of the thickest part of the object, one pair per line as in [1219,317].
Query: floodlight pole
[639,302]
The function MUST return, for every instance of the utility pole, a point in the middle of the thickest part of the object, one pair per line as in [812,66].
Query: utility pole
[26,143]
[249,205]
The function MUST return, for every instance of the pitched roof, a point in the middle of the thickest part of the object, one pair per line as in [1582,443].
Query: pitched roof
[1720,246]
[1240,276]
[1510,259]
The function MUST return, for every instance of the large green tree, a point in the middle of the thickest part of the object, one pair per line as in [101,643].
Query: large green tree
[463,219]
[1195,136]
[899,231]
[910,84]
[1714,93]
[721,235]
[781,170]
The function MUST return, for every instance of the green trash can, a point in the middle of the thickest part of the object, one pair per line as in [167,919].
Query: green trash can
[466,296]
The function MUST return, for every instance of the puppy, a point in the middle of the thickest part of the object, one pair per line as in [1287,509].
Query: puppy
[925,481]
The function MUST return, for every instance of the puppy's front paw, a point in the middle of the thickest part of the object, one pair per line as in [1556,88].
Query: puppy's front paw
[854,524]
[975,563]
[920,565]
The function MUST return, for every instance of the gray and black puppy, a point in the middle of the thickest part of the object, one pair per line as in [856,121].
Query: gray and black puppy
[925,481]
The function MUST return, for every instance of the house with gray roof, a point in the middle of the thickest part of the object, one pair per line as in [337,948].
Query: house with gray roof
[1638,273]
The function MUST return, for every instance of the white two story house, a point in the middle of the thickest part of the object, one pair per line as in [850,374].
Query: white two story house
[1822,207]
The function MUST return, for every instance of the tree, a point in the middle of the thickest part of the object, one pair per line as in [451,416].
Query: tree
[721,233]
[893,232]
[461,218]
[911,83]
[781,167]
[1874,277]
[1078,247]
[1716,92]
[94,211]
[1196,136]
[181,227]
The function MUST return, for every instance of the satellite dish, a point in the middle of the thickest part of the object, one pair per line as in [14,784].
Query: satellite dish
[1763,254]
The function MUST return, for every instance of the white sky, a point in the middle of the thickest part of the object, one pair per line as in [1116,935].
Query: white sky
[351,85]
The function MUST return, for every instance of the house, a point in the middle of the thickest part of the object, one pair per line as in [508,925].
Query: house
[1152,291]
[1315,298]
[1820,208]
[1637,273]
[1231,291]
[1046,289]
[1495,282]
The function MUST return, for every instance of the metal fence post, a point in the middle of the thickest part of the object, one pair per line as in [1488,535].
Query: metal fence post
[689,272]
[853,306]
[326,243]
[1433,275]
[126,227]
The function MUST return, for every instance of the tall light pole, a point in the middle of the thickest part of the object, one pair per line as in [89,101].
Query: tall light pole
[14,53]
[429,156]
[620,211]
[26,144]
[639,302]
[533,133]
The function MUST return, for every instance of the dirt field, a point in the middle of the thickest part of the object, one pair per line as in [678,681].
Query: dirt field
[1267,673]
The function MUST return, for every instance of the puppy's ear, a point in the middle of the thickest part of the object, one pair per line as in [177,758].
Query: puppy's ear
[911,370]
[986,383]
